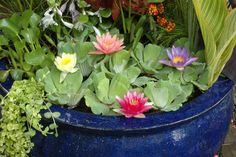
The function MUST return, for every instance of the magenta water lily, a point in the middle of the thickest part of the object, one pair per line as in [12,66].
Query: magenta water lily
[179,58]
[133,105]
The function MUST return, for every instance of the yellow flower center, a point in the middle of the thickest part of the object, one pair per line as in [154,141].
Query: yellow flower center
[134,102]
[66,61]
[107,44]
[178,59]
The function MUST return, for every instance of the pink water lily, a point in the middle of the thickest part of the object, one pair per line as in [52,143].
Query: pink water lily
[179,58]
[107,44]
[133,105]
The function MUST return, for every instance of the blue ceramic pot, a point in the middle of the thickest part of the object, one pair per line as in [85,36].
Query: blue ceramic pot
[196,130]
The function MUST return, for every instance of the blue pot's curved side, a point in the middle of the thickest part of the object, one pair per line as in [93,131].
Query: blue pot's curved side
[198,137]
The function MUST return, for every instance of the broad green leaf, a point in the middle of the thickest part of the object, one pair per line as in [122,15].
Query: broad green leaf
[207,32]
[119,60]
[65,47]
[190,74]
[180,99]
[226,45]
[159,96]
[70,85]
[119,86]
[19,47]
[34,20]
[143,80]
[101,86]
[96,106]
[82,49]
[132,73]
[30,35]
[41,74]
[35,57]
[182,42]
[138,52]
[174,89]
[152,55]
[17,74]
[25,18]
[9,29]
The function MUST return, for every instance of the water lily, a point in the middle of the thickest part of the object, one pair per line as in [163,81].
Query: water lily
[107,44]
[66,64]
[133,105]
[179,58]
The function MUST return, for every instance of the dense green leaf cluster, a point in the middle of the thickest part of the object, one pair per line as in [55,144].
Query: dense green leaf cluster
[20,44]
[21,118]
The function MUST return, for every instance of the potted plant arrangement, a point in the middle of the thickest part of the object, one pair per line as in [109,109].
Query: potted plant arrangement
[118,78]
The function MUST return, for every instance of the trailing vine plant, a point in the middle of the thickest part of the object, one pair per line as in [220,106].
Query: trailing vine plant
[21,118]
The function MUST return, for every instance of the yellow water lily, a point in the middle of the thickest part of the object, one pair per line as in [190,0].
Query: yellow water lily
[66,64]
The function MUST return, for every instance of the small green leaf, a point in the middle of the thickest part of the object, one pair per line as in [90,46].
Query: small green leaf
[105,13]
[105,25]
[83,18]
[17,74]
[3,40]
[56,114]
[48,115]
[3,75]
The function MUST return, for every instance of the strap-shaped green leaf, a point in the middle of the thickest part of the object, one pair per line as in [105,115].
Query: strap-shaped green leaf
[207,33]
[218,27]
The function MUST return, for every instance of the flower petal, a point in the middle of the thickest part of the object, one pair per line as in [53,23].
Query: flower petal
[190,61]
[166,62]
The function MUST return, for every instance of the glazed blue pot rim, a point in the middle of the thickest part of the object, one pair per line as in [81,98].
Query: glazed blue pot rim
[191,110]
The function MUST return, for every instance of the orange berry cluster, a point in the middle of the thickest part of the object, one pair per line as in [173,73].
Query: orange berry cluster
[152,9]
[158,11]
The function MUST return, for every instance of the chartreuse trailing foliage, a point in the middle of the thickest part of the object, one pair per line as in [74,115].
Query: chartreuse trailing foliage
[218,27]
[22,106]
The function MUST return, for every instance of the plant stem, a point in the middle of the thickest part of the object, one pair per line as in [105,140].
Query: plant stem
[20,6]
[123,17]
[4,89]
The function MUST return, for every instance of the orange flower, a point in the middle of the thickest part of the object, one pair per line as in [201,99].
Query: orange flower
[152,9]
[162,21]
[161,8]
[171,26]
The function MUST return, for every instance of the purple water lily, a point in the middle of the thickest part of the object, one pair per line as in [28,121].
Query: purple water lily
[179,58]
